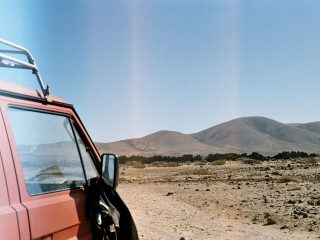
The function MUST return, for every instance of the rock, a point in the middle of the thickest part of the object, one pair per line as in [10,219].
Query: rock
[270,221]
[169,193]
[183,238]
[284,227]
[292,201]
[255,218]
[311,203]
[276,173]
[266,215]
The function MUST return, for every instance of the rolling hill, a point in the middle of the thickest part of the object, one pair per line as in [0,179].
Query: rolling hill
[247,134]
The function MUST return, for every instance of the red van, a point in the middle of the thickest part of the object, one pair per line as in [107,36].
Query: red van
[46,160]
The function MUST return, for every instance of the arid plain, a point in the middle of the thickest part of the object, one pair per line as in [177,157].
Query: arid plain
[239,199]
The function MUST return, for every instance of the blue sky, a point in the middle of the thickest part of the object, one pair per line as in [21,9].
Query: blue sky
[135,67]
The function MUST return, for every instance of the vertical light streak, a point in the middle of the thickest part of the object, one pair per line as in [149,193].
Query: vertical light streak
[232,27]
[137,74]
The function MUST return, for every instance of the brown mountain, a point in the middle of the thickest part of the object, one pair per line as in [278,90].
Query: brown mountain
[167,143]
[248,134]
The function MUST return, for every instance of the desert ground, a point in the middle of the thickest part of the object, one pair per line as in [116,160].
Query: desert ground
[240,199]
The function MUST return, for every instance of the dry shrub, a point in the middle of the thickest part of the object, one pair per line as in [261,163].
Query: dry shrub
[286,179]
[135,164]
[255,174]
[200,163]
[198,171]
[295,189]
[122,180]
[251,161]
[165,164]
[156,164]
[218,162]
[315,196]
[201,171]
[308,160]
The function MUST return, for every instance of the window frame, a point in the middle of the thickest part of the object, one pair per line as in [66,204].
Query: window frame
[74,125]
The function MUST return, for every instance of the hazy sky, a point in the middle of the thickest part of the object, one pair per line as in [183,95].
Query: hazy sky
[139,66]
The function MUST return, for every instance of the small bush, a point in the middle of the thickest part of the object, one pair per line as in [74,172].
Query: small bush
[250,161]
[165,164]
[295,189]
[135,164]
[286,179]
[308,160]
[218,162]
[219,156]
[201,171]
[198,171]
[257,156]
[293,155]
[200,163]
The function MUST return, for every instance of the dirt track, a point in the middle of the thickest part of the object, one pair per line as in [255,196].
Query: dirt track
[175,202]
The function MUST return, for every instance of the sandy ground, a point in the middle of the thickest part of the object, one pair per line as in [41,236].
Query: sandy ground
[271,200]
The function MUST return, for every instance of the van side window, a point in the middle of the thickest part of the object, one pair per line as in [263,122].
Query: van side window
[48,151]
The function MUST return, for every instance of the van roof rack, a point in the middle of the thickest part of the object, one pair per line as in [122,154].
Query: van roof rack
[12,62]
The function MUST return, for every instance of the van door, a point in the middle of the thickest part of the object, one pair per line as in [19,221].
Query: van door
[52,164]
[8,220]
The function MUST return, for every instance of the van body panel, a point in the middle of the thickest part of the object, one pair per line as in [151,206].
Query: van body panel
[59,211]
[81,230]
[19,218]
[8,223]
[7,162]
[23,221]
[8,218]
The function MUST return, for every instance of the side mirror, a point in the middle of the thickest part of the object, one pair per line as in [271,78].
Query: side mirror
[110,169]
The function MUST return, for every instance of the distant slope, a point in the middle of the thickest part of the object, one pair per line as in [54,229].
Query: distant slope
[240,135]
[259,134]
[161,143]
[313,127]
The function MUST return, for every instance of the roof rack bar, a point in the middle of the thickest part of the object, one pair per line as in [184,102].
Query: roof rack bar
[11,62]
[23,50]
[21,64]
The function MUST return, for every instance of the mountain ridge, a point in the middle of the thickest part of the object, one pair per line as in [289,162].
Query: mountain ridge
[240,135]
